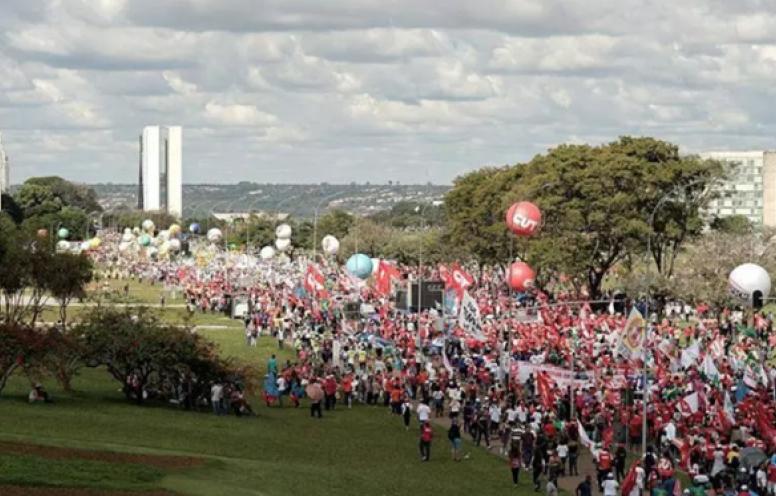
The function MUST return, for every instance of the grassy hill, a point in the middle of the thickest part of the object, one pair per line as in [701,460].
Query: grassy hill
[94,439]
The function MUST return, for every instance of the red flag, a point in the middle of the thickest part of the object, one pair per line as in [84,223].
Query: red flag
[630,479]
[313,281]
[386,273]
[544,387]
[460,279]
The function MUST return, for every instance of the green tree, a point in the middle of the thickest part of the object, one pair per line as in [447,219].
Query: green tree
[735,224]
[596,204]
[67,279]
[57,189]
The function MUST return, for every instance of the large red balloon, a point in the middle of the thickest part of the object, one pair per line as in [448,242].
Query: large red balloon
[524,218]
[521,276]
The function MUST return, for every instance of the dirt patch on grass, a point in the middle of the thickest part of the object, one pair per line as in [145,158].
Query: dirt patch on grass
[55,453]
[64,491]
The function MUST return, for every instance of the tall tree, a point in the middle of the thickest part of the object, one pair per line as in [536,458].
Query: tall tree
[597,202]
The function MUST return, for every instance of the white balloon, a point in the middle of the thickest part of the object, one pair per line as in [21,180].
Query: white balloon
[136,231]
[63,245]
[214,235]
[85,246]
[164,235]
[283,231]
[127,237]
[175,245]
[127,230]
[283,244]
[148,225]
[330,245]
[748,278]
[267,253]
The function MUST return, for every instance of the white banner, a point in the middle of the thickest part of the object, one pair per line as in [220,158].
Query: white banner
[562,377]
[469,319]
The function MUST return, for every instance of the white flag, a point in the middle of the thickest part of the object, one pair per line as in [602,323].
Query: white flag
[690,355]
[469,318]
[709,369]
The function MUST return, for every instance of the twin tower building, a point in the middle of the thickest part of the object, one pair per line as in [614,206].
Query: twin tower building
[161,170]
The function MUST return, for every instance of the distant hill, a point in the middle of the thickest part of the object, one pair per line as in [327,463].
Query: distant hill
[297,199]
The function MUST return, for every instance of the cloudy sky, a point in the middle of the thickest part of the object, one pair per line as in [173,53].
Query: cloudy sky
[357,90]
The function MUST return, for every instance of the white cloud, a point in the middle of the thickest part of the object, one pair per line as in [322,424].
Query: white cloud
[238,115]
[374,89]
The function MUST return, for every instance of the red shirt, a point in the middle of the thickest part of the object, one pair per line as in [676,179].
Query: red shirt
[426,433]
[604,461]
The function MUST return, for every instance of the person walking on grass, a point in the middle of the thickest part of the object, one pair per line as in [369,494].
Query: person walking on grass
[426,434]
[406,412]
[515,462]
[454,435]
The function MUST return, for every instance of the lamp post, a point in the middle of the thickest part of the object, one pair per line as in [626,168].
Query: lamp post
[422,211]
[645,386]
[315,221]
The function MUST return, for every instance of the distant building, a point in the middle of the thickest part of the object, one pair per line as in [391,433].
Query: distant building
[160,175]
[5,171]
[750,188]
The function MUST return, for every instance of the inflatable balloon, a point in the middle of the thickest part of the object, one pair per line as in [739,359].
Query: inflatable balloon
[42,233]
[283,231]
[194,228]
[174,230]
[521,276]
[283,244]
[127,237]
[63,233]
[127,230]
[163,235]
[267,253]
[524,218]
[747,280]
[148,225]
[95,243]
[359,265]
[330,245]
[136,231]
[144,240]
[63,245]
[283,258]
[175,245]
[85,246]
[214,235]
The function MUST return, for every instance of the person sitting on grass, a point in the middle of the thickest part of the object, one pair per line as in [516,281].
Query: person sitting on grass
[38,394]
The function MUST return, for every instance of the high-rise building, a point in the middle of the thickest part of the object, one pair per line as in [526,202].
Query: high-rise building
[750,186]
[160,174]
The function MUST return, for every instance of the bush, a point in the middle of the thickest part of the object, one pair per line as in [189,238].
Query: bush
[155,360]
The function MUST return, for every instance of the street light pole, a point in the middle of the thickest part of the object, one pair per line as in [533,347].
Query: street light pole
[645,395]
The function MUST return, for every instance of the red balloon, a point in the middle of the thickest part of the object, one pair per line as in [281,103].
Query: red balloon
[521,276]
[524,218]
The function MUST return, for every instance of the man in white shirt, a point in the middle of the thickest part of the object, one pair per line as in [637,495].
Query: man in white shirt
[216,397]
[610,486]
[424,412]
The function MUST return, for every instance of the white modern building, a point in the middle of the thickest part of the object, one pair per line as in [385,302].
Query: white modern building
[161,170]
[750,188]
[5,171]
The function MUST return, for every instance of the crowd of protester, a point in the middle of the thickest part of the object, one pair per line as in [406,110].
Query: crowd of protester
[543,380]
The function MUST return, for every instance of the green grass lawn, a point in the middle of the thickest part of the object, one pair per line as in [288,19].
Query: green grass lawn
[281,451]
